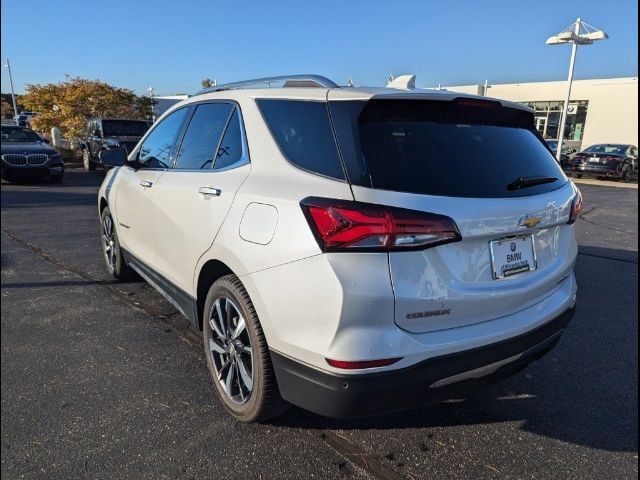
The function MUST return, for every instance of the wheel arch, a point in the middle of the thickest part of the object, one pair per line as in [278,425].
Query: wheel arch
[211,271]
[103,204]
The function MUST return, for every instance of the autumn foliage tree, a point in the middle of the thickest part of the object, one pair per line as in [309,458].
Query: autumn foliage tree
[7,109]
[68,105]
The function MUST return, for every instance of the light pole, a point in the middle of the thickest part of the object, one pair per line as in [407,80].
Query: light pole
[578,33]
[13,94]
[153,113]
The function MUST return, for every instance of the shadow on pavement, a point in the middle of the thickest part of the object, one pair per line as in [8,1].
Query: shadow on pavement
[73,178]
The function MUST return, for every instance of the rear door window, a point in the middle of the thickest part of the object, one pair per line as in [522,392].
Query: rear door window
[230,152]
[198,147]
[445,148]
[303,132]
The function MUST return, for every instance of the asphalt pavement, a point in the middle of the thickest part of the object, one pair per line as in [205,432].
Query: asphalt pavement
[103,379]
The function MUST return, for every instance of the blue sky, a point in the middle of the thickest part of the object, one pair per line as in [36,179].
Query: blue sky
[174,45]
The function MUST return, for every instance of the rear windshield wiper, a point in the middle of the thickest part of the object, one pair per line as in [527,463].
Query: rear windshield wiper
[524,182]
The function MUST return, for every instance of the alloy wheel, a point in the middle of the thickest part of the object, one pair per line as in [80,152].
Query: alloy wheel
[109,243]
[230,348]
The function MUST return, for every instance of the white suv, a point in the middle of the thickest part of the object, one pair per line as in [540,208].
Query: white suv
[351,251]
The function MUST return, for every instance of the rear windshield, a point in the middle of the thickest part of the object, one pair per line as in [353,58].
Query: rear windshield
[124,128]
[615,149]
[449,148]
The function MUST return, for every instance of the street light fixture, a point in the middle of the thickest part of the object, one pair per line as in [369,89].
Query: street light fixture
[578,33]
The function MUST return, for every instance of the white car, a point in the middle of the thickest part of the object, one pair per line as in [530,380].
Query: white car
[352,251]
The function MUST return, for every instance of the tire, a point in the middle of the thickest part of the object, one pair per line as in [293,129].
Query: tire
[626,176]
[111,248]
[55,178]
[249,395]
[89,166]
[579,175]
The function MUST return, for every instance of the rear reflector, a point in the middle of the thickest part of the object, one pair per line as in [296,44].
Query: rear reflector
[576,207]
[342,225]
[345,365]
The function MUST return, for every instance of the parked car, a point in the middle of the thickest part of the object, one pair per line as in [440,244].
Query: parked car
[24,152]
[611,160]
[565,161]
[21,120]
[106,133]
[352,251]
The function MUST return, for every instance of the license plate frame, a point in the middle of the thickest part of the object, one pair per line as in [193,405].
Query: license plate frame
[501,267]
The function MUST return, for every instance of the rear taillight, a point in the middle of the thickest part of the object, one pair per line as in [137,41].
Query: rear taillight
[576,207]
[341,225]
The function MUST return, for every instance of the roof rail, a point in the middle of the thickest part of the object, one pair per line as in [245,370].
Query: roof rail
[286,80]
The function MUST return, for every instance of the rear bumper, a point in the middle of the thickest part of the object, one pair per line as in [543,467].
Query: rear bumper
[597,172]
[433,380]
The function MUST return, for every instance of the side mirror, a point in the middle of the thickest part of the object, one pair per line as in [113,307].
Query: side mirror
[97,133]
[115,157]
[45,140]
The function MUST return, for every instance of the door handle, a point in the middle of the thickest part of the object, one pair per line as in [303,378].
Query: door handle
[210,191]
[146,184]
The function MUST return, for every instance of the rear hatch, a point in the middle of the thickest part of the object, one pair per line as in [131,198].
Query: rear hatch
[483,165]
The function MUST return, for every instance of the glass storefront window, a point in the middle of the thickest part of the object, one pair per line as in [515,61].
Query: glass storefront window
[547,118]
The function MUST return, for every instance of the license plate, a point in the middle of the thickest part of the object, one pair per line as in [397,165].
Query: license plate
[594,160]
[510,256]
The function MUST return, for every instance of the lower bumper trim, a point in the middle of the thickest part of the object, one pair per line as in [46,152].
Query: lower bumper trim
[433,380]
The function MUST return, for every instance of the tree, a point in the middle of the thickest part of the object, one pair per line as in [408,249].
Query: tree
[68,105]
[7,109]
[207,82]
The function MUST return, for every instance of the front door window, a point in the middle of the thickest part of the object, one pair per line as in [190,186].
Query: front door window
[157,149]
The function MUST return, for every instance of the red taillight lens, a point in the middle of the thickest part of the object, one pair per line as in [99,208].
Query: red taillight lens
[345,225]
[362,363]
[576,207]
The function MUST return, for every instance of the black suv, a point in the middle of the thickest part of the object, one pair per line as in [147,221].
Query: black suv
[107,133]
[24,152]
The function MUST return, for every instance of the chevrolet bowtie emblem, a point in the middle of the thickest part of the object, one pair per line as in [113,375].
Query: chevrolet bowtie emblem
[529,221]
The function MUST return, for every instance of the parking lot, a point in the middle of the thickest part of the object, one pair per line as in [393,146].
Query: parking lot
[102,379]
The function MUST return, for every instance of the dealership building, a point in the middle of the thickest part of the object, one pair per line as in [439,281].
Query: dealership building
[600,111]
